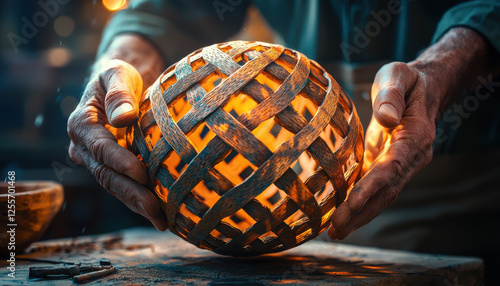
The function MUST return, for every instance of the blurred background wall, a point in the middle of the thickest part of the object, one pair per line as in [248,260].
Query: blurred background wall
[47,48]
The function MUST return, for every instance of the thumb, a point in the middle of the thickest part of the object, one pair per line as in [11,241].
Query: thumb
[391,84]
[123,86]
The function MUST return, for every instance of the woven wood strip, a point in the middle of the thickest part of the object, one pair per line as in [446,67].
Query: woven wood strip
[194,94]
[269,208]
[304,199]
[267,173]
[326,160]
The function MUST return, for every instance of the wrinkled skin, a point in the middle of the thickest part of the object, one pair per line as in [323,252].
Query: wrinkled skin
[398,144]
[407,100]
[110,103]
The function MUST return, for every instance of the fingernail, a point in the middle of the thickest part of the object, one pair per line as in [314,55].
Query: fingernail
[389,111]
[331,233]
[160,223]
[122,109]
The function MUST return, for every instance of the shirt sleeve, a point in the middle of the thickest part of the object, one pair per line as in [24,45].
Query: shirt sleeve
[481,16]
[177,27]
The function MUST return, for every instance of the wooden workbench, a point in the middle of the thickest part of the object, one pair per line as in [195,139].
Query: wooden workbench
[147,256]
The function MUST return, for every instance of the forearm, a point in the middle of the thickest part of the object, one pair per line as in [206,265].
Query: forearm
[136,51]
[453,65]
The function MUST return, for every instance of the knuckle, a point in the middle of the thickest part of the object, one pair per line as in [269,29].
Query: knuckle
[112,67]
[97,147]
[127,167]
[73,124]
[72,152]
[398,167]
[104,176]
[114,95]
[132,200]
[390,196]
[393,67]
[399,66]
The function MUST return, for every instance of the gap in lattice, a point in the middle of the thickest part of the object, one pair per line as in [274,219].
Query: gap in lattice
[204,194]
[263,132]
[217,234]
[316,76]
[284,64]
[295,217]
[268,236]
[234,169]
[304,107]
[174,164]
[271,196]
[201,136]
[304,166]
[268,80]
[240,220]
[212,80]
[335,139]
[324,191]
[184,210]
[197,63]
[239,103]
[179,107]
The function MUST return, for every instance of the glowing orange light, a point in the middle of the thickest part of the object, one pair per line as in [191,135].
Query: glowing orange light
[113,5]
[233,175]
[58,57]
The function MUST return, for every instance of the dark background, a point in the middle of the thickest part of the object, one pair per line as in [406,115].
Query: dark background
[40,85]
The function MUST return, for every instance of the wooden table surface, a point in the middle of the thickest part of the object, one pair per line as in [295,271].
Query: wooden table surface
[147,256]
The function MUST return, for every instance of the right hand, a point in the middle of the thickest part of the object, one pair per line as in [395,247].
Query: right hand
[96,127]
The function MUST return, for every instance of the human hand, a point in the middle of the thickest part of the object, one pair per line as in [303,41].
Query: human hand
[407,101]
[398,144]
[110,103]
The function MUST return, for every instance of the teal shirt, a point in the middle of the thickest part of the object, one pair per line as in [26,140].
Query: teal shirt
[394,30]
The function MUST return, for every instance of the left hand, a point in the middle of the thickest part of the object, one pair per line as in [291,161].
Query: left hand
[398,143]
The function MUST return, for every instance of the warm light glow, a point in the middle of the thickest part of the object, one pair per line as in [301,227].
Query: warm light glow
[58,57]
[113,5]
[236,162]
[64,26]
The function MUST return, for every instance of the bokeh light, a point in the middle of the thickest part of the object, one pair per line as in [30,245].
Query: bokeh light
[64,26]
[58,57]
[113,5]
[68,104]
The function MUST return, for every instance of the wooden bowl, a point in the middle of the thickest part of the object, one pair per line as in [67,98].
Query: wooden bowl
[36,204]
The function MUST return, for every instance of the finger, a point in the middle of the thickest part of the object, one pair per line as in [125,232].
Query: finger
[104,148]
[134,196]
[75,154]
[122,84]
[373,207]
[391,84]
[392,168]
[375,141]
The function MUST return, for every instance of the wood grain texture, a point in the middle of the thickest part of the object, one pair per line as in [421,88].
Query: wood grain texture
[249,146]
[145,256]
[36,204]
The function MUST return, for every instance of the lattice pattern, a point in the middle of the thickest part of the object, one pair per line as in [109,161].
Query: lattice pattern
[249,146]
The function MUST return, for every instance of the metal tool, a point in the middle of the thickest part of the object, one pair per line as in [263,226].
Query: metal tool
[54,272]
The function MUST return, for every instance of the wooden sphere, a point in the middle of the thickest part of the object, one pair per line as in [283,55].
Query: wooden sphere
[249,147]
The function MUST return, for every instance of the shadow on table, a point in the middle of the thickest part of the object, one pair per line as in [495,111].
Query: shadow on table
[251,271]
